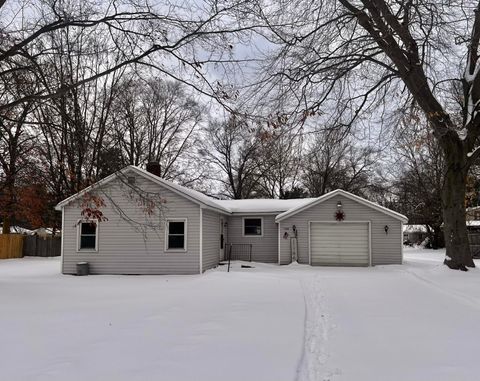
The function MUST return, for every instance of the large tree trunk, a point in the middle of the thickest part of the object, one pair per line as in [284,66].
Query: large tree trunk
[8,206]
[453,200]
[6,225]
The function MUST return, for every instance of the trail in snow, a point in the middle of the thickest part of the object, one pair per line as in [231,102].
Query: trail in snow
[313,362]
[460,297]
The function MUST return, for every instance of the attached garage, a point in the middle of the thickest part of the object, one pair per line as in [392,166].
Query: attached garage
[340,244]
[341,229]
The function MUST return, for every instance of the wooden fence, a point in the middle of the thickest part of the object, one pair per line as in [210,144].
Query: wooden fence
[11,246]
[36,246]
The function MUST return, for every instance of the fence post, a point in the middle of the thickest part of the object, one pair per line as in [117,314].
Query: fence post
[250,252]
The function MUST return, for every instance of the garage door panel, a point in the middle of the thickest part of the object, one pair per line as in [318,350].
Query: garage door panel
[339,244]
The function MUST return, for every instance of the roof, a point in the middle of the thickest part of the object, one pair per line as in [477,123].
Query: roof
[286,208]
[190,194]
[262,205]
[18,230]
[346,194]
[187,192]
[414,228]
[472,208]
[226,206]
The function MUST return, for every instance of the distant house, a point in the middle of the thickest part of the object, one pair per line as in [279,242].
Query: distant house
[46,232]
[414,234]
[18,230]
[473,218]
[195,231]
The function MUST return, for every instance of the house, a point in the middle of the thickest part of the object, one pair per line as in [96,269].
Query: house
[414,234]
[192,231]
[473,219]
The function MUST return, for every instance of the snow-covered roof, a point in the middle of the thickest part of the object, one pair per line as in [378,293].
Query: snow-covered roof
[262,205]
[18,230]
[284,207]
[414,228]
[187,192]
[473,223]
[346,194]
[190,194]
[226,206]
[46,231]
[473,208]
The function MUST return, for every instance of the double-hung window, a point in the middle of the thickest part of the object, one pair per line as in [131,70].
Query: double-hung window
[88,235]
[252,227]
[176,235]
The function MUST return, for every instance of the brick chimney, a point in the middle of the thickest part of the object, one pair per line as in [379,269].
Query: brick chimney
[154,168]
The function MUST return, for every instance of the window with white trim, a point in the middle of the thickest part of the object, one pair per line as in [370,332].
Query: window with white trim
[88,235]
[176,235]
[252,226]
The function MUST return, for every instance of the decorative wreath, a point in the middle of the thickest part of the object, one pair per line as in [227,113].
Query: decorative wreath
[339,215]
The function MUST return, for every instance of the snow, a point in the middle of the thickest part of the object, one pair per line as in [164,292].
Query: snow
[414,228]
[473,223]
[415,321]
[263,205]
[19,230]
[472,208]
[341,192]
[191,193]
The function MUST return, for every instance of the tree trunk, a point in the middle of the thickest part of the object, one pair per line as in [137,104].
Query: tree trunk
[6,225]
[453,200]
[8,205]
[438,238]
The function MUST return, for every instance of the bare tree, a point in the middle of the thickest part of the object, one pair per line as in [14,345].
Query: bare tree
[419,178]
[231,146]
[155,120]
[16,143]
[364,58]
[179,40]
[333,162]
[279,159]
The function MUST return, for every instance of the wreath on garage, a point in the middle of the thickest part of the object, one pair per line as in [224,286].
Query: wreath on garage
[339,215]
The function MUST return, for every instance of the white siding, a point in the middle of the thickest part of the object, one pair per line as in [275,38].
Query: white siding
[123,249]
[211,239]
[264,248]
[341,243]
[386,248]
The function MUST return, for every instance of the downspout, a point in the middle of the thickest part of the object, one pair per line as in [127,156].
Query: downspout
[201,241]
[61,240]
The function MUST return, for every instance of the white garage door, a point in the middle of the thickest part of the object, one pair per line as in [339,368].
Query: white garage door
[339,244]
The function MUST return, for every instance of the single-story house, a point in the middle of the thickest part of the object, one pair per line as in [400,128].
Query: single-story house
[473,218]
[414,234]
[190,232]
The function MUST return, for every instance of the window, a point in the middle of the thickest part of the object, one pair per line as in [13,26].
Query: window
[252,227]
[88,233]
[176,235]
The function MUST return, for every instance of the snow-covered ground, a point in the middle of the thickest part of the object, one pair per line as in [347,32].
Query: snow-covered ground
[412,322]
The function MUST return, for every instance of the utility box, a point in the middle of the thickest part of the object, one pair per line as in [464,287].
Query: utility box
[82,268]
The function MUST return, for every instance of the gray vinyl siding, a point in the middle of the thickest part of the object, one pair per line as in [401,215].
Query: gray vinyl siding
[211,239]
[265,248]
[385,248]
[124,249]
